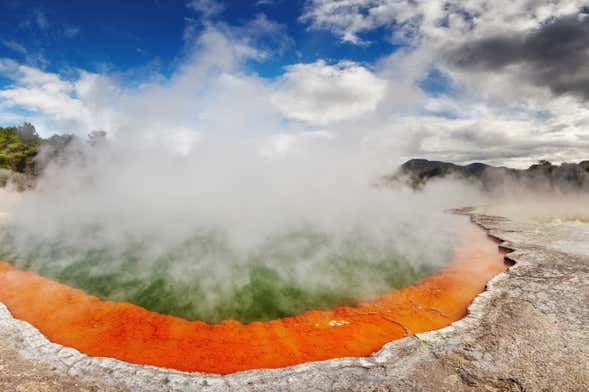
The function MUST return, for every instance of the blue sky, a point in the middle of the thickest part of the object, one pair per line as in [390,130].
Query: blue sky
[442,79]
[122,35]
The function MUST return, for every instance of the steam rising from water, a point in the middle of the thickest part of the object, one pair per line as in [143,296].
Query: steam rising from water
[209,198]
[229,232]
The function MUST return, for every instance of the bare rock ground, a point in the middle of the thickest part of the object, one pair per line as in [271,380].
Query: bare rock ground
[529,331]
[22,375]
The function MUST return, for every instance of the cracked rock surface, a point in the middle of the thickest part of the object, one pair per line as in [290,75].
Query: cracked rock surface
[529,331]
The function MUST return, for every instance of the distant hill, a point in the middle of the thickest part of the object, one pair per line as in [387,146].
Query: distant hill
[541,176]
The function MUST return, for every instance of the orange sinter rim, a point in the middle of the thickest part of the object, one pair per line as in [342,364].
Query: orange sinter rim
[72,318]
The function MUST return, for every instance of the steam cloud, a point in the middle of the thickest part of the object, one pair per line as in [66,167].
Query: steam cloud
[206,220]
[205,186]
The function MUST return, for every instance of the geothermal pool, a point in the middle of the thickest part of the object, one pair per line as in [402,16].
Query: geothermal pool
[207,278]
[311,327]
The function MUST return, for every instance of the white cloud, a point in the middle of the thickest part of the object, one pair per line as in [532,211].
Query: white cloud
[207,8]
[348,19]
[434,19]
[320,93]
[50,96]
[501,115]
[445,27]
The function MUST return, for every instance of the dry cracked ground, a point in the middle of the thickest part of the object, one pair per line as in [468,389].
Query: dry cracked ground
[529,331]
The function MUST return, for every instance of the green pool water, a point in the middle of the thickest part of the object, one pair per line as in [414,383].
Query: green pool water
[205,278]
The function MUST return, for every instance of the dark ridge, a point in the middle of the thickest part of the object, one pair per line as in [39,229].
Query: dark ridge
[542,176]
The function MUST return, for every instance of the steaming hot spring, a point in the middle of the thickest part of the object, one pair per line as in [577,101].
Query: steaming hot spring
[232,272]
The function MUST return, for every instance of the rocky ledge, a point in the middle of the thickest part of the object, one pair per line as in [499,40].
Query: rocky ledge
[529,331]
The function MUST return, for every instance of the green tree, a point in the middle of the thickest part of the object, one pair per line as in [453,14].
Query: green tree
[19,147]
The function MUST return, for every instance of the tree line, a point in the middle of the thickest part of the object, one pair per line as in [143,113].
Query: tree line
[21,147]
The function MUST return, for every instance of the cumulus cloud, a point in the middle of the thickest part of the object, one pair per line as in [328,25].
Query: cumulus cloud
[554,55]
[320,93]
[47,93]
[545,41]
[348,19]
[516,71]
[440,19]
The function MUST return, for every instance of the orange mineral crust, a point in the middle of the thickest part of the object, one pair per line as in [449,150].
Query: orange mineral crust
[73,318]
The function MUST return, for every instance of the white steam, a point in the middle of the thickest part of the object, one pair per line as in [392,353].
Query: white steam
[312,216]
[214,170]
